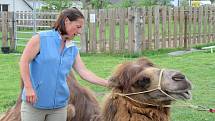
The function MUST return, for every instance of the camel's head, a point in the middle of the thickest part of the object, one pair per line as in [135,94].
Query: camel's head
[141,75]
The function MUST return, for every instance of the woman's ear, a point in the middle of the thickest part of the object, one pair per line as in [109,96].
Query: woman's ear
[66,21]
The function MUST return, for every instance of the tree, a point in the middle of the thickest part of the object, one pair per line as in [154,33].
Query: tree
[62,4]
[152,2]
[163,2]
[184,3]
[56,4]
[99,3]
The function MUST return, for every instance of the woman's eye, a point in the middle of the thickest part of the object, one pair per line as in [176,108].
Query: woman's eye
[78,26]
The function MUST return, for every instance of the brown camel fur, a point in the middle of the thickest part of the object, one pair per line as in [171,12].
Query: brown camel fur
[130,77]
[142,75]
[82,106]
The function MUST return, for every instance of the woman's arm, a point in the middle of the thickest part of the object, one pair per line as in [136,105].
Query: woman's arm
[87,74]
[29,53]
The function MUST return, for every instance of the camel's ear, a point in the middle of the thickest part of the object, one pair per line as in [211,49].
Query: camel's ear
[145,62]
[123,76]
[121,80]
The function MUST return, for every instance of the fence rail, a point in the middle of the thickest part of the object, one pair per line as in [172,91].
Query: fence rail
[126,29]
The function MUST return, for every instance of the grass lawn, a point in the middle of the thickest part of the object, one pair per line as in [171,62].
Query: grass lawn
[198,66]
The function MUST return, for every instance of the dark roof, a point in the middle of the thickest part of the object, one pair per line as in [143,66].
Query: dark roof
[28,4]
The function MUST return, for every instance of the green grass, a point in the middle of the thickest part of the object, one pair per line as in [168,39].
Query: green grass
[199,68]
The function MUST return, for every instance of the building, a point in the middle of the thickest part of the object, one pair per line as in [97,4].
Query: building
[15,5]
[194,3]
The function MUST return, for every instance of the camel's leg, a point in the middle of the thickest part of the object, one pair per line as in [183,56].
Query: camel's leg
[70,111]
[13,114]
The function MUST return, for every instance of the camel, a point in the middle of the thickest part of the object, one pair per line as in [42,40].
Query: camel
[82,105]
[143,92]
[139,92]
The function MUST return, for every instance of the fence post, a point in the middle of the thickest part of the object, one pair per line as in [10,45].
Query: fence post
[84,34]
[5,48]
[131,29]
[157,27]
[112,23]
[185,30]
[138,27]
[92,31]
[12,33]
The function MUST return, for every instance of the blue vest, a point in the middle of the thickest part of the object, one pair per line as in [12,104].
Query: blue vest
[49,69]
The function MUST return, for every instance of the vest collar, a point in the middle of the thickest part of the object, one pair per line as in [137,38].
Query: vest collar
[69,43]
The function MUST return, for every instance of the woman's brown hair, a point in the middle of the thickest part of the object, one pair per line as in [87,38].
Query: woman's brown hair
[72,14]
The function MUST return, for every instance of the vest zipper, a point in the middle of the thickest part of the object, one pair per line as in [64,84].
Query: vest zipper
[61,57]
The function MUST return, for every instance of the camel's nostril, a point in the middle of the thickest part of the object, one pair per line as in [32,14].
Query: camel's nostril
[178,77]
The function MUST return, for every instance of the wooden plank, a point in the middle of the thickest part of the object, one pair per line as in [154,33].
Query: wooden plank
[185,42]
[143,28]
[213,29]
[169,27]
[102,34]
[0,21]
[157,27]
[210,19]
[4,17]
[92,31]
[48,21]
[122,29]
[205,25]
[21,21]
[30,21]
[200,15]
[138,30]
[25,18]
[181,26]
[39,22]
[117,34]
[194,26]
[164,9]
[112,29]
[14,40]
[189,26]
[84,33]
[12,31]
[44,22]
[149,42]
[175,27]
[17,21]
[130,29]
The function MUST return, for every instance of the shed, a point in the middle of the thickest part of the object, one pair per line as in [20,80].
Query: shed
[18,5]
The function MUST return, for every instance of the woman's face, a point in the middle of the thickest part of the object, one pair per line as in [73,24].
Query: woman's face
[73,28]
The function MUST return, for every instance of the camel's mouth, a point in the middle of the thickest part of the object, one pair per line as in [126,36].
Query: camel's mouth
[180,94]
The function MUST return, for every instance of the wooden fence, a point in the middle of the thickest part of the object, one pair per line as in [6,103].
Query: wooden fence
[132,29]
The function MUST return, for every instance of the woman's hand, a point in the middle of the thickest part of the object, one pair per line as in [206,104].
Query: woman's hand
[30,95]
[87,74]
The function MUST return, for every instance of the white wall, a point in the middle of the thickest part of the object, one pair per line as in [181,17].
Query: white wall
[174,2]
[20,5]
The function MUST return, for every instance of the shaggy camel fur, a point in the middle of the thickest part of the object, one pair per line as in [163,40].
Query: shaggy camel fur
[82,106]
[150,104]
[130,78]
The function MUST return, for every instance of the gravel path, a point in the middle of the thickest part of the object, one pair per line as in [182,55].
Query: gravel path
[182,52]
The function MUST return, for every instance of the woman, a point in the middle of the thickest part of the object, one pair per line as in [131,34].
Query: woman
[47,59]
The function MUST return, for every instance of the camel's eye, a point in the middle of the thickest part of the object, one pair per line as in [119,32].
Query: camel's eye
[143,82]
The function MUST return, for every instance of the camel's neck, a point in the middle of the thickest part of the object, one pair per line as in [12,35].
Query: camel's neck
[153,113]
[142,112]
